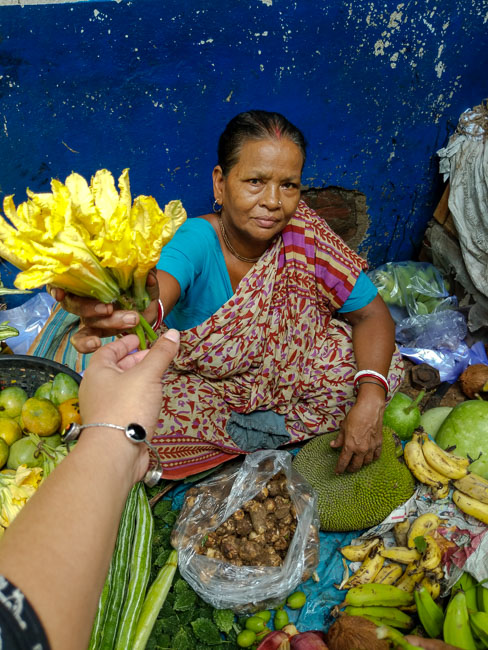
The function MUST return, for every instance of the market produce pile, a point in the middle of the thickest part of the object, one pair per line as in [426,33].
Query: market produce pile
[30,438]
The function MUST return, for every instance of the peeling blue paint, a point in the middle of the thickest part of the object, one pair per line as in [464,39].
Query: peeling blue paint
[377,88]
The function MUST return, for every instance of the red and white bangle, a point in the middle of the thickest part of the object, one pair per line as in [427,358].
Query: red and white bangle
[160,317]
[373,374]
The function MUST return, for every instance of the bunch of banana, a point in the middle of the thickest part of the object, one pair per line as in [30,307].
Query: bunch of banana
[466,616]
[380,603]
[370,566]
[456,628]
[471,496]
[432,465]
[431,614]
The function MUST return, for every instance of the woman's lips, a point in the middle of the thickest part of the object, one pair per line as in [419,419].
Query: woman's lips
[266,222]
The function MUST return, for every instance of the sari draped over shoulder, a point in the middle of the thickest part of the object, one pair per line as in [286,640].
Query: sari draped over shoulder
[274,345]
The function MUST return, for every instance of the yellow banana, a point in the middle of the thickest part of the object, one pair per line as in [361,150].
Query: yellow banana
[432,586]
[471,506]
[401,554]
[437,573]
[456,628]
[442,461]
[388,574]
[400,530]
[440,492]
[358,552]
[431,615]
[431,557]
[474,486]
[419,467]
[374,594]
[368,570]
[423,525]
[412,575]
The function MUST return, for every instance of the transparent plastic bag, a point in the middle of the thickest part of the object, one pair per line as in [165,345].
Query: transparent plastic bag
[439,330]
[207,505]
[28,318]
[412,288]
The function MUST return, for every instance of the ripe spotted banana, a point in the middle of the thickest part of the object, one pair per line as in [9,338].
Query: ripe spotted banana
[432,585]
[368,569]
[419,467]
[440,493]
[423,525]
[479,623]
[388,574]
[431,615]
[387,615]
[374,594]
[400,530]
[471,506]
[401,554]
[358,552]
[456,628]
[482,598]
[444,462]
[474,486]
[412,575]
[431,557]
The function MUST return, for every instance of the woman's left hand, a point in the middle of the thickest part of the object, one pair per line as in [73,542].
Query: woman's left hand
[361,431]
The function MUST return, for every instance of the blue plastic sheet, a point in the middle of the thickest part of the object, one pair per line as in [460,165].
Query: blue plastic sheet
[449,363]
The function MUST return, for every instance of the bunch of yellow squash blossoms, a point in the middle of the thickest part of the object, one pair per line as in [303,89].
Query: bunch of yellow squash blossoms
[16,488]
[90,240]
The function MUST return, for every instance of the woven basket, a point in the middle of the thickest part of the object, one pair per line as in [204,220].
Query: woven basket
[30,372]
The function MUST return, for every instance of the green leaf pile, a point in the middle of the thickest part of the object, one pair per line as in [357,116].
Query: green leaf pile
[185,621]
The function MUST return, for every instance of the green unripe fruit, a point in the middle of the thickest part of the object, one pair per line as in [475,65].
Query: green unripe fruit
[246,638]
[296,600]
[280,619]
[255,623]
[265,615]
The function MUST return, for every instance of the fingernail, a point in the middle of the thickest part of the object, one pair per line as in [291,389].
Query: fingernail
[172,335]
[130,319]
[100,308]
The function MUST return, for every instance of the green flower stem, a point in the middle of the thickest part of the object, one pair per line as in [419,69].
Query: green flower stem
[150,333]
[139,330]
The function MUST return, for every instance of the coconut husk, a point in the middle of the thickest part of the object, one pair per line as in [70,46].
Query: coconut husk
[474,380]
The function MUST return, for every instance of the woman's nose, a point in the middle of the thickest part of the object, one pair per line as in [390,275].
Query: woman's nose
[271,197]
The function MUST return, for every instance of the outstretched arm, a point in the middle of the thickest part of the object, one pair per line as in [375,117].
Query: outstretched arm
[373,339]
[58,549]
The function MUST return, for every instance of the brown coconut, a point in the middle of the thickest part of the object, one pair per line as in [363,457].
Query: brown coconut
[474,380]
[354,633]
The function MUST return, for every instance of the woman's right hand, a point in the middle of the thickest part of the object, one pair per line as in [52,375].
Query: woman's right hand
[98,320]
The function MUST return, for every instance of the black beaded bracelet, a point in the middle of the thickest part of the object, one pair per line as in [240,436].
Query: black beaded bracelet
[376,383]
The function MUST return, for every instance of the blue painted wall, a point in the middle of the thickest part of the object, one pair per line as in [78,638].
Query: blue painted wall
[377,88]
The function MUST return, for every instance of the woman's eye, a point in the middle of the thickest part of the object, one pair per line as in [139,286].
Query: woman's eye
[254,181]
[289,186]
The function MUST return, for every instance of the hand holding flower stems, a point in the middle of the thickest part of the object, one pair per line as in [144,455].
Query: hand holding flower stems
[90,240]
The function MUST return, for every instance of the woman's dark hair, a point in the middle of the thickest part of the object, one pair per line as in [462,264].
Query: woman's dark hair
[255,125]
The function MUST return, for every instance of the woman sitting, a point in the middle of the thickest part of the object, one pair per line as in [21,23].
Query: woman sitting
[283,336]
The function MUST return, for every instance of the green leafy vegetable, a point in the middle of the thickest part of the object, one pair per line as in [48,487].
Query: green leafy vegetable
[223,619]
[206,631]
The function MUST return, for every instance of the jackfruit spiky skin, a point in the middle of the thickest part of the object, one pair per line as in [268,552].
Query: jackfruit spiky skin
[352,501]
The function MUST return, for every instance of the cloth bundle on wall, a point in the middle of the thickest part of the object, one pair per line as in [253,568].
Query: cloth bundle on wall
[464,161]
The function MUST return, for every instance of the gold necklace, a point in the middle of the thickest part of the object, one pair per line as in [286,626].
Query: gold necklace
[229,245]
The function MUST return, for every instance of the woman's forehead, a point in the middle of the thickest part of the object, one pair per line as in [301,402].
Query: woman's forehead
[270,152]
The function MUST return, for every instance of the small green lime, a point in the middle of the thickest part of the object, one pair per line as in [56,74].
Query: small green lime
[255,623]
[280,619]
[265,615]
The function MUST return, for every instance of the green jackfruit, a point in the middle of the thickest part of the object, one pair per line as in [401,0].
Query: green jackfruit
[353,501]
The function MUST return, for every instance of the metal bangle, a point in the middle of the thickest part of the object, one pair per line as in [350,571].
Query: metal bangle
[136,433]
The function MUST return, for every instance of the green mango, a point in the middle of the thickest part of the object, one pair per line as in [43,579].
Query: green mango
[64,387]
[403,415]
[44,390]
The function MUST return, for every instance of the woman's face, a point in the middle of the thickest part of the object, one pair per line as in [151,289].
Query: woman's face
[260,193]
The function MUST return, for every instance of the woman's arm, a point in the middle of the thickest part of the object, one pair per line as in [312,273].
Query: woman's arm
[373,339]
[58,549]
[99,320]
